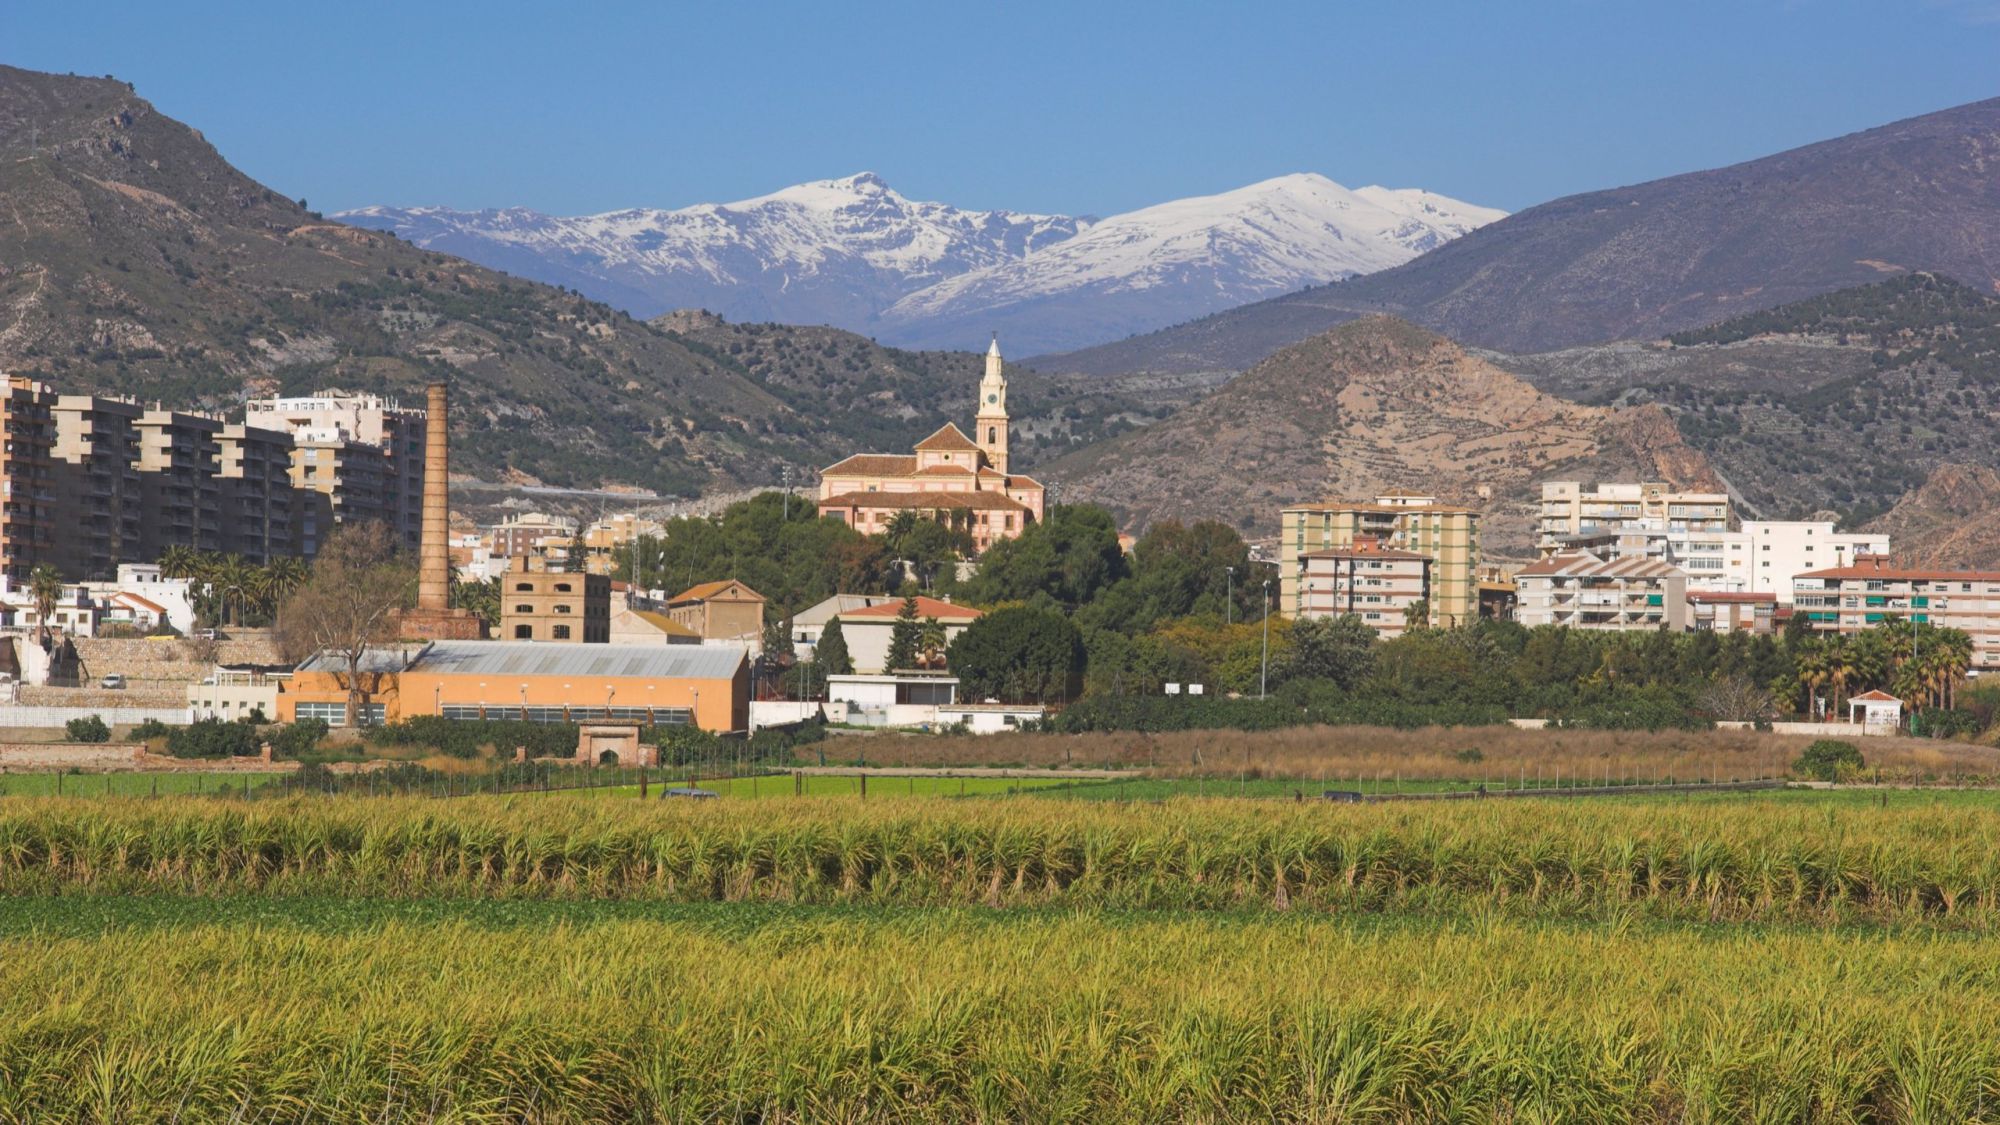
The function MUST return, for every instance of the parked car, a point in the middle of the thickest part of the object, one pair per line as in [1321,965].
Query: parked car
[692,794]
[1341,796]
[113,682]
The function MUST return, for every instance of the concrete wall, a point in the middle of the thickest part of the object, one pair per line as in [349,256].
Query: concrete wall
[44,717]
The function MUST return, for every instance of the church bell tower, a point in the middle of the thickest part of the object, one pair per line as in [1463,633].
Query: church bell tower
[990,426]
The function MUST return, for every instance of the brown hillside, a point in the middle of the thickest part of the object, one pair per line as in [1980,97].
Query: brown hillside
[1952,520]
[1375,405]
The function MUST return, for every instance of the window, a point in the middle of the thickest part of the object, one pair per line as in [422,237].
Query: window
[560,632]
[563,588]
[524,587]
[524,609]
[992,433]
[335,714]
[524,632]
[562,609]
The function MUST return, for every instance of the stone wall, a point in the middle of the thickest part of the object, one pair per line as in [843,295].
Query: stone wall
[70,755]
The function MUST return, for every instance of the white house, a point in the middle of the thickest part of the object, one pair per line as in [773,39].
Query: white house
[868,630]
[809,625]
[1876,711]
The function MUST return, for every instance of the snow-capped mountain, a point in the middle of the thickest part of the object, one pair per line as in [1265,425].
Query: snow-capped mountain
[1176,261]
[855,254]
[830,252]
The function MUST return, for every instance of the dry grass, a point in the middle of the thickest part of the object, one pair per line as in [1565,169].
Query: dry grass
[1434,753]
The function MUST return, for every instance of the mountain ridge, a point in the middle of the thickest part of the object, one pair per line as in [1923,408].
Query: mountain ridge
[1641,261]
[855,254]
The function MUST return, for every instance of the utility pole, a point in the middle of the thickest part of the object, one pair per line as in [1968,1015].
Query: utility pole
[1264,674]
[1229,597]
[786,474]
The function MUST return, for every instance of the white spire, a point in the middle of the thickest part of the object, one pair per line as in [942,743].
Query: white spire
[994,351]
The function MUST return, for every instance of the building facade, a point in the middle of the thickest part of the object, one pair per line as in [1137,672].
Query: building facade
[949,477]
[365,453]
[1569,512]
[1583,591]
[1854,598]
[869,630]
[28,519]
[1447,535]
[706,686]
[97,477]
[1731,611]
[1377,584]
[554,605]
[725,611]
[1768,554]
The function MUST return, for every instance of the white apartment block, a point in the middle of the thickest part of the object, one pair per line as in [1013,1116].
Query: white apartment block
[1868,592]
[1583,591]
[1767,554]
[1375,583]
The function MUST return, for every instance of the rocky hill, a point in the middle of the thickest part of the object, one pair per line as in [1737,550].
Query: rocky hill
[1643,261]
[1952,520]
[1843,402]
[135,260]
[1375,405]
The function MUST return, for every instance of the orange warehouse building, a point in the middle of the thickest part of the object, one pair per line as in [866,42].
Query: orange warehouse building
[537,681]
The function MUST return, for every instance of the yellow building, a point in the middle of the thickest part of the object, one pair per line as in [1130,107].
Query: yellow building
[554,605]
[949,477]
[1402,521]
[708,686]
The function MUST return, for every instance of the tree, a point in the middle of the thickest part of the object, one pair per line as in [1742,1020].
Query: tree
[903,637]
[1735,699]
[1018,654]
[481,599]
[778,641]
[830,654]
[1340,649]
[1417,615]
[931,641]
[1070,558]
[348,605]
[45,584]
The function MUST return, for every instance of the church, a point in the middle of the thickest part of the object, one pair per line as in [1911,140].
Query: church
[949,477]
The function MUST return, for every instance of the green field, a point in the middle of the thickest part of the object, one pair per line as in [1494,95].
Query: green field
[1790,956]
[145,784]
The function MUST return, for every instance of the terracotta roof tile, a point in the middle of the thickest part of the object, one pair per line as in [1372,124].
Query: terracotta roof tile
[948,436]
[874,465]
[926,607]
[925,501]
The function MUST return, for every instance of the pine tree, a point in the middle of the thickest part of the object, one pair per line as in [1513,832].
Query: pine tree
[903,638]
[830,654]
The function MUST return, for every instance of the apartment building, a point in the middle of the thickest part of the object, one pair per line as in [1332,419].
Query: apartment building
[1375,583]
[1767,554]
[1731,611]
[180,493]
[27,485]
[1869,591]
[96,463]
[553,605]
[1400,521]
[608,541]
[258,501]
[365,453]
[1583,591]
[1568,511]
[533,534]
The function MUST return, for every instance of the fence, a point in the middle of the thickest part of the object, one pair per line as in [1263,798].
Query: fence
[115,716]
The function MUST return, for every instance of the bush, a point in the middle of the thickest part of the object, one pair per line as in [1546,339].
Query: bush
[213,738]
[149,730]
[1829,759]
[90,728]
[463,738]
[298,739]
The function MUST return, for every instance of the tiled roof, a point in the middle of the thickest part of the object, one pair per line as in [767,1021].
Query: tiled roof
[708,590]
[926,607]
[1882,570]
[925,501]
[874,465]
[664,623]
[944,471]
[1362,551]
[948,436]
[1873,697]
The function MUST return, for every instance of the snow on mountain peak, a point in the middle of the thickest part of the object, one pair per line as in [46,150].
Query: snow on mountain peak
[852,252]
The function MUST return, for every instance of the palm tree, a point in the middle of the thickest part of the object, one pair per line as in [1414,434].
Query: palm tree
[898,528]
[280,577]
[179,561]
[46,585]
[931,641]
[231,574]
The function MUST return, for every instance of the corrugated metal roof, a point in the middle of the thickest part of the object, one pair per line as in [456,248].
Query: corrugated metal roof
[543,658]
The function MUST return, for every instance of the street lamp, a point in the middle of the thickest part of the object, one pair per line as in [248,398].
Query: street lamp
[1229,596]
[1264,674]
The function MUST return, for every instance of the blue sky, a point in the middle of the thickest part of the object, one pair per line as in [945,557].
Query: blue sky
[1075,107]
